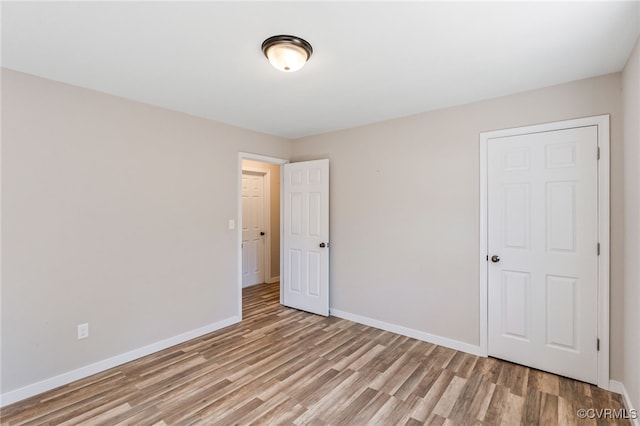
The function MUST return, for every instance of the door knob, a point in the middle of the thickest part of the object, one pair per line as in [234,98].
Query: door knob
[495,258]
[323,245]
[261,233]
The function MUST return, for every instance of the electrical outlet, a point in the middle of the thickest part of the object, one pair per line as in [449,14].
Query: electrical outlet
[83,331]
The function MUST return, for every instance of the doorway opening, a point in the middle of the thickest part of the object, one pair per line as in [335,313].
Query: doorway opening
[259,219]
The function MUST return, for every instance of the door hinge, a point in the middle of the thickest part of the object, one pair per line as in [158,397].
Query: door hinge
[598,249]
[597,344]
[487,258]
[598,153]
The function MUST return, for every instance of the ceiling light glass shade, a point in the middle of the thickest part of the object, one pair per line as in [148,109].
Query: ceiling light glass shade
[286,57]
[287,53]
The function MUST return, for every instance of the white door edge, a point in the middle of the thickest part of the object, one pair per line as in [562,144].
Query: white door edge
[602,123]
[264,159]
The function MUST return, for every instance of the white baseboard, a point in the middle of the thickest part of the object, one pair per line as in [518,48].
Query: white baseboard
[268,281]
[97,367]
[618,387]
[409,332]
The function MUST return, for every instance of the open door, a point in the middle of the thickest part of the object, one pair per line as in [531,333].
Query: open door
[305,274]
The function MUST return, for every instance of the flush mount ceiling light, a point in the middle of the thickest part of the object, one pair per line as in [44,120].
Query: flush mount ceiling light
[287,53]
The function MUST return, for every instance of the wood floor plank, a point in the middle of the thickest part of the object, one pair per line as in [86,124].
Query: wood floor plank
[567,412]
[410,384]
[322,389]
[532,407]
[491,368]
[370,410]
[425,408]
[450,396]
[64,401]
[412,422]
[436,420]
[351,408]
[280,414]
[394,375]
[549,409]
[514,406]
[462,405]
[427,381]
[462,364]
[519,380]
[388,412]
[262,409]
[497,406]
[284,366]
[345,401]
[324,402]
[480,403]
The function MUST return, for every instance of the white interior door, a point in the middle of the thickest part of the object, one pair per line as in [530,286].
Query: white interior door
[543,231]
[252,228]
[305,274]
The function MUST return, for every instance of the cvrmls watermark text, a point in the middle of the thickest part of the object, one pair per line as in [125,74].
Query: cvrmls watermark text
[606,413]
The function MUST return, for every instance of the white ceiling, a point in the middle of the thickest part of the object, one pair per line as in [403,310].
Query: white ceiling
[372,61]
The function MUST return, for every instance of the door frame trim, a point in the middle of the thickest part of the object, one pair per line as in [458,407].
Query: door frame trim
[603,165]
[264,159]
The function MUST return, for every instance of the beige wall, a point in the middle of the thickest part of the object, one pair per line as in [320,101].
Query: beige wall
[274,213]
[405,208]
[630,99]
[114,213]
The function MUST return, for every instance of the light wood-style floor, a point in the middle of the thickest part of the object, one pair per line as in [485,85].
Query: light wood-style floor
[283,366]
